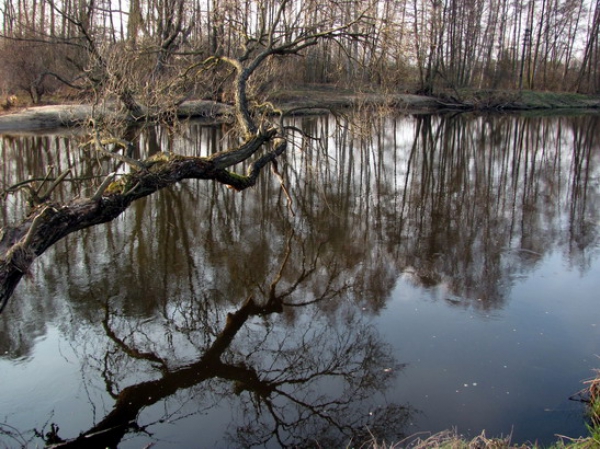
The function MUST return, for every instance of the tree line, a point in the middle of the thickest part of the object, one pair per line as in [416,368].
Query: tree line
[163,48]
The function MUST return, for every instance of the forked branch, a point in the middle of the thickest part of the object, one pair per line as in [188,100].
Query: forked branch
[263,143]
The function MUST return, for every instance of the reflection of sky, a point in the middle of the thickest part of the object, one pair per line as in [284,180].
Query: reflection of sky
[500,370]
[45,386]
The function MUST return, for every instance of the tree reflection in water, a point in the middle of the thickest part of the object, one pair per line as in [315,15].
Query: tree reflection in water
[459,205]
[309,377]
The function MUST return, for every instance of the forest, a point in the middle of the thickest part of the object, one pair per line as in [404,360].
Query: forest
[457,248]
[167,51]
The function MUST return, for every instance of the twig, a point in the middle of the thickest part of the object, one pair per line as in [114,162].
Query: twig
[100,147]
[283,186]
[103,186]
[34,226]
[54,185]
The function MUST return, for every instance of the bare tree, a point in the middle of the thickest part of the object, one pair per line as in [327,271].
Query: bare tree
[50,221]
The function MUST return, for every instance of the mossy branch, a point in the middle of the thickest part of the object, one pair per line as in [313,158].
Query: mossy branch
[99,144]
[103,186]
[54,185]
[241,182]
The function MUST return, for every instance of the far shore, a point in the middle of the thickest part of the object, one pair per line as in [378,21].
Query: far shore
[310,100]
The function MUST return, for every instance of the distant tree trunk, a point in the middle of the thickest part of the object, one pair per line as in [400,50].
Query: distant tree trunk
[573,28]
[589,71]
[134,23]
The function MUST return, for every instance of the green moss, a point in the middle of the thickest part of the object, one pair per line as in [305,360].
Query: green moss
[158,157]
[236,181]
[114,187]
[120,187]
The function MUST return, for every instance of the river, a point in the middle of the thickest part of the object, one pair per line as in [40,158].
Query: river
[425,273]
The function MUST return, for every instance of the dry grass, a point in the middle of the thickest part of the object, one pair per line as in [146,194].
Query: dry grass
[450,439]
[593,387]
[594,392]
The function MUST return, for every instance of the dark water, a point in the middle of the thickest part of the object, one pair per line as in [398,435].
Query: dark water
[430,273]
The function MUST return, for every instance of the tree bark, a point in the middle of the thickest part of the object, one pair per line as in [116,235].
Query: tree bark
[49,223]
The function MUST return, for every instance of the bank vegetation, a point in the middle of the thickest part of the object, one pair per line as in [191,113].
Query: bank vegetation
[452,440]
[156,54]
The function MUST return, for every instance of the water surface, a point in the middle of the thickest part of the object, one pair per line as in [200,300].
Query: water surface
[430,272]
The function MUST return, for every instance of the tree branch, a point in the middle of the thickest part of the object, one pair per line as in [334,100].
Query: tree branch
[45,226]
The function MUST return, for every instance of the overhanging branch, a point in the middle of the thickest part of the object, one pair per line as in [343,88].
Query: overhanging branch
[21,244]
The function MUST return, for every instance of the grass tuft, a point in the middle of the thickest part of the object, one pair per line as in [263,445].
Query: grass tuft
[450,439]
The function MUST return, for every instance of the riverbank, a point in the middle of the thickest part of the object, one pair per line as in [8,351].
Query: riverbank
[451,440]
[314,99]
[480,100]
